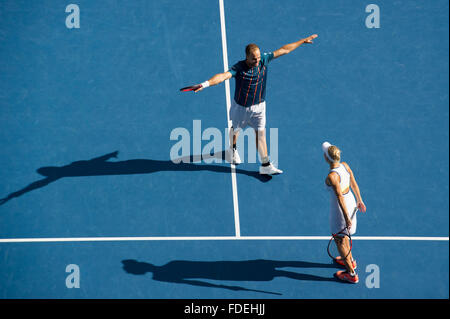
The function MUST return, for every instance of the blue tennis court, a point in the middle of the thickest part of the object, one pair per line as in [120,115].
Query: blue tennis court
[92,205]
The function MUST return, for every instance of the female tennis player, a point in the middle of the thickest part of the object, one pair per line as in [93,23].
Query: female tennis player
[341,180]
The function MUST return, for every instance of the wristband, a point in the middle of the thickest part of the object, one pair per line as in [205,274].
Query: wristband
[205,84]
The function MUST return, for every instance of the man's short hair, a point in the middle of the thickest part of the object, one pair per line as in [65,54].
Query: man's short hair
[249,48]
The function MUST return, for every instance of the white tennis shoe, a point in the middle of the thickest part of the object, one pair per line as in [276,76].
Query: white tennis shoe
[269,170]
[232,156]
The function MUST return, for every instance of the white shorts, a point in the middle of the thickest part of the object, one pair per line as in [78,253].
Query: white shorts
[253,116]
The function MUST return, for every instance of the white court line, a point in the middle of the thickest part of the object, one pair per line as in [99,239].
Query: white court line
[212,238]
[228,101]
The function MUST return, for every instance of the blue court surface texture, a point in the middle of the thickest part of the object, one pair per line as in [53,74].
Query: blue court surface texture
[86,177]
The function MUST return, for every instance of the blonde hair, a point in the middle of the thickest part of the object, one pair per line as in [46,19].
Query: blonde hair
[334,153]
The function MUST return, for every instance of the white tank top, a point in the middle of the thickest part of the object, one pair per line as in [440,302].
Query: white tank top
[345,178]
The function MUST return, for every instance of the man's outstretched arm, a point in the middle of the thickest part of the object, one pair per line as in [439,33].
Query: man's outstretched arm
[287,48]
[216,79]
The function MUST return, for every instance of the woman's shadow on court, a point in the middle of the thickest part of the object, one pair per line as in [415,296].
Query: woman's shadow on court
[190,272]
[101,166]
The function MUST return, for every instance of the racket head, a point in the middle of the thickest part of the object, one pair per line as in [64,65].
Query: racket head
[191,88]
[332,249]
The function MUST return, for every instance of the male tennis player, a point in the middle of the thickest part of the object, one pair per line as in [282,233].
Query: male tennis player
[248,107]
[342,181]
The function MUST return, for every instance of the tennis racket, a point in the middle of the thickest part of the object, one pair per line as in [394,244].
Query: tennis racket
[344,233]
[191,88]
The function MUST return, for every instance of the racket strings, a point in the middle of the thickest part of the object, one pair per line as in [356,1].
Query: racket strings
[332,249]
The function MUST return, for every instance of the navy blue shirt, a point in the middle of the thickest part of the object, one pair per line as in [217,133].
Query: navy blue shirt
[251,82]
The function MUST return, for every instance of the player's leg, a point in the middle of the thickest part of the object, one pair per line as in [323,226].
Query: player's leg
[350,256]
[233,137]
[258,122]
[349,275]
[343,249]
[348,260]
[261,145]
[339,260]
[237,116]
[350,203]
[266,167]
[231,154]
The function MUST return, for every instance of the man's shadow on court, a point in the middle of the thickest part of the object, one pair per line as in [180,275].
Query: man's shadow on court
[101,166]
[190,272]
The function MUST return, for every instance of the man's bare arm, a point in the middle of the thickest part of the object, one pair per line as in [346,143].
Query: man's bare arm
[216,79]
[288,48]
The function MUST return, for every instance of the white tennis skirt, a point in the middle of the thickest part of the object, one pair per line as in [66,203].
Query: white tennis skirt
[337,221]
